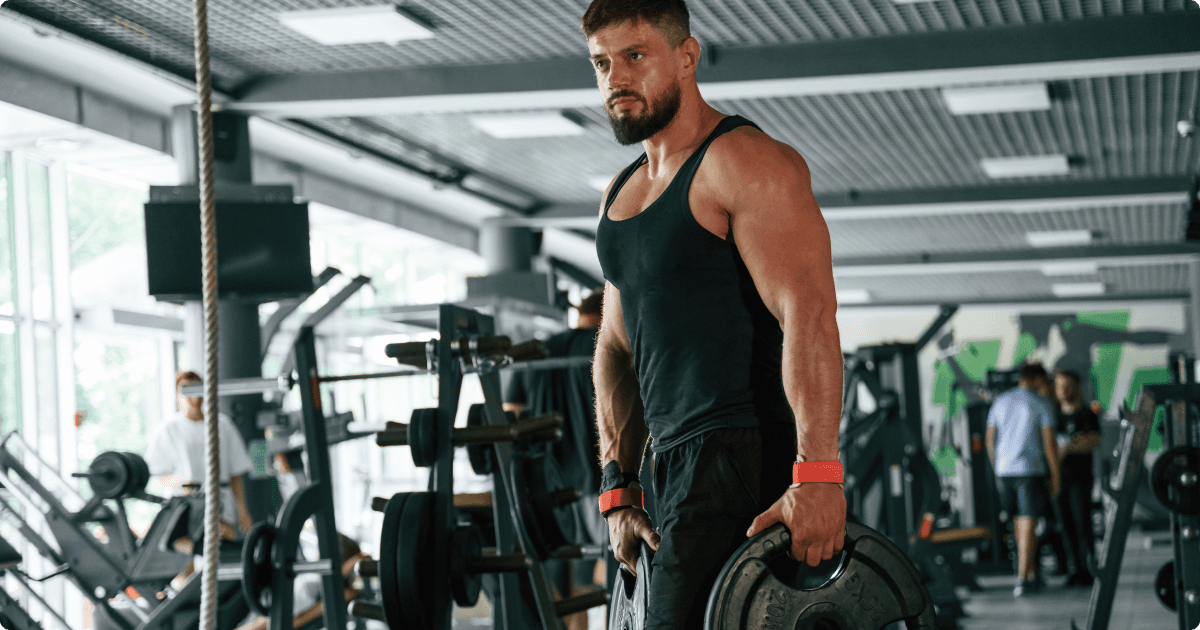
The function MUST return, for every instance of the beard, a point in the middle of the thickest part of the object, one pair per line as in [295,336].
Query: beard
[633,129]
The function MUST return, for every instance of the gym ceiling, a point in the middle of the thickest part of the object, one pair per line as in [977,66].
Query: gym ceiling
[859,87]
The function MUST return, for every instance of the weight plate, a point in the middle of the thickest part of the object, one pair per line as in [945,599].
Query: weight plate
[109,475]
[415,560]
[482,456]
[874,585]
[466,542]
[258,570]
[627,606]
[1164,585]
[389,543]
[1176,480]
[550,524]
[422,437]
[139,473]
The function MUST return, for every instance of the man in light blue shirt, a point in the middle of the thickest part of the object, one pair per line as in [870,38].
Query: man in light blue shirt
[1021,445]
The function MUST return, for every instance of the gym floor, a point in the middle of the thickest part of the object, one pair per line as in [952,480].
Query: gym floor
[1136,607]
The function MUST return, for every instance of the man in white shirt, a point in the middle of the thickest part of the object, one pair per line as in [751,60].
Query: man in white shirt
[176,452]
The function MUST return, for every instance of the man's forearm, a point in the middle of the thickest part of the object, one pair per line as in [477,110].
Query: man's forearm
[812,380]
[620,417]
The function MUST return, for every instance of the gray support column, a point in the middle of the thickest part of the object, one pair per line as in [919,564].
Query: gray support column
[1194,306]
[240,335]
[505,248]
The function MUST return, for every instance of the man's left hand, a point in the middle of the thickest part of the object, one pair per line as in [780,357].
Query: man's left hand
[815,514]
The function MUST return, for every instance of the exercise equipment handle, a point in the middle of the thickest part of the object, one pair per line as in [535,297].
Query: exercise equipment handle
[580,603]
[366,610]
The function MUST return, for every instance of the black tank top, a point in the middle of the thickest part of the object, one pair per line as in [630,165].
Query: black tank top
[706,349]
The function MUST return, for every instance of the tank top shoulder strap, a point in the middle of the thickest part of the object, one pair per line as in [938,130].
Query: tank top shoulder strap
[620,182]
[689,168]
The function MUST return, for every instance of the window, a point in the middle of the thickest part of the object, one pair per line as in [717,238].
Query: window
[10,385]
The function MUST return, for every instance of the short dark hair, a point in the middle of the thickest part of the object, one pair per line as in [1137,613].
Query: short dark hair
[1032,371]
[347,547]
[670,17]
[186,376]
[1071,374]
[592,304]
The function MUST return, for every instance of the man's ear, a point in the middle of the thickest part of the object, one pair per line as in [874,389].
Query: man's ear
[689,49]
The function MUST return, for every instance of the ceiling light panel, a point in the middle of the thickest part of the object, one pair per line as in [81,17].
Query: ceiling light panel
[600,182]
[1078,289]
[1026,97]
[356,25]
[1060,238]
[533,125]
[1031,166]
[1071,268]
[853,296]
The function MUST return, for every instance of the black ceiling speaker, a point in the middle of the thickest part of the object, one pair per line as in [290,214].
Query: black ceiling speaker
[1193,223]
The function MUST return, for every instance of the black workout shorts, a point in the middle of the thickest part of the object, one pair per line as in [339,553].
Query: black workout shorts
[708,490]
[1023,495]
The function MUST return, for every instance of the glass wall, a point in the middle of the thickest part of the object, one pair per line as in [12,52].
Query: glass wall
[10,374]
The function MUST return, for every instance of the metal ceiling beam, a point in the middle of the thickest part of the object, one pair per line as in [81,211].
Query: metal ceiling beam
[1136,44]
[1015,260]
[1035,197]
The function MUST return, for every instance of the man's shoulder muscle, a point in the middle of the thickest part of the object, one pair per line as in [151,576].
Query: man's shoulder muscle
[748,161]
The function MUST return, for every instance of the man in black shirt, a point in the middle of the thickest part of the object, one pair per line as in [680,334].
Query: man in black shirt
[1078,431]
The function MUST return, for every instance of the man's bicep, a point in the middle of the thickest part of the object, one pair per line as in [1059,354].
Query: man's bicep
[612,334]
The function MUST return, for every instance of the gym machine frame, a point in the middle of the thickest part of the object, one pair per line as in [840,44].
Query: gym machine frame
[1180,431]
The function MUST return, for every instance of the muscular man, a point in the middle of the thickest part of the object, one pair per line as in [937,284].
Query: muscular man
[718,338]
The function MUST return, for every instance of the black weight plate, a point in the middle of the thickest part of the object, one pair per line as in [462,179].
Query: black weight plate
[109,475]
[627,606]
[550,525]
[422,436]
[482,456]
[466,543]
[1167,483]
[389,543]
[258,570]
[139,473]
[874,585]
[415,559]
[1164,585]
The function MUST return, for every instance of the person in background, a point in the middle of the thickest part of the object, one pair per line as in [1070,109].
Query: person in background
[176,453]
[1078,431]
[1023,451]
[570,392]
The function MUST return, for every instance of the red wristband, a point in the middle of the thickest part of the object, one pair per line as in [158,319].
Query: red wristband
[621,497]
[816,472]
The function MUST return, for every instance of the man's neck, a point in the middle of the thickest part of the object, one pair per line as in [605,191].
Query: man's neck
[1071,406]
[690,126]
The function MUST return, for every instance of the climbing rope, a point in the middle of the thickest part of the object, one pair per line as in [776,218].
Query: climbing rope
[208,257]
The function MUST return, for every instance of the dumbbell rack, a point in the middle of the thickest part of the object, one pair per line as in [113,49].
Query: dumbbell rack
[451,361]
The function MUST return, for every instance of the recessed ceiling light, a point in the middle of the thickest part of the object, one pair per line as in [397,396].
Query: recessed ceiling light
[1078,289]
[853,296]
[1060,238]
[57,145]
[357,25]
[1025,97]
[1071,268]
[534,125]
[599,182]
[1035,165]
